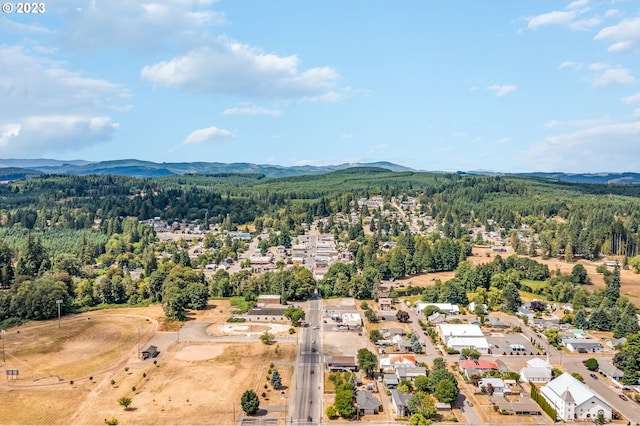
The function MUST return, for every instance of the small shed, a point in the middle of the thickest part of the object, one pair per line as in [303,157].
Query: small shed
[150,352]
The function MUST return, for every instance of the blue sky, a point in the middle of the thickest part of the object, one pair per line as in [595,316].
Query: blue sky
[510,86]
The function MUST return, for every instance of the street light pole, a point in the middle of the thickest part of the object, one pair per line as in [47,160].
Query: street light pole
[59,302]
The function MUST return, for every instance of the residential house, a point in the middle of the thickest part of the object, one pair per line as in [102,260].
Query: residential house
[459,343]
[409,372]
[437,318]
[526,312]
[463,336]
[613,343]
[524,406]
[384,303]
[573,400]
[390,380]
[582,345]
[447,308]
[497,384]
[537,371]
[479,364]
[392,360]
[341,363]
[400,402]
[367,404]
[610,371]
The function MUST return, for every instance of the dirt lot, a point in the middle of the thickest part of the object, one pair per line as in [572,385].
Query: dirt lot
[630,282]
[189,383]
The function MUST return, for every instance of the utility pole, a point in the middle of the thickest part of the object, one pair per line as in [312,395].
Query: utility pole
[4,359]
[59,302]
[138,341]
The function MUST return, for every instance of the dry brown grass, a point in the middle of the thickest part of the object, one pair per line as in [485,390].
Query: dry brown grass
[189,384]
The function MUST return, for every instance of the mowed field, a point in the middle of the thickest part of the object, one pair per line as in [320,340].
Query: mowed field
[630,282]
[75,374]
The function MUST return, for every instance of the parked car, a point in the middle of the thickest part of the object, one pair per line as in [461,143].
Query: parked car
[593,376]
[469,403]
[622,397]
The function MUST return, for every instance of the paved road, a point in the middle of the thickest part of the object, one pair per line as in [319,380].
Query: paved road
[470,413]
[306,398]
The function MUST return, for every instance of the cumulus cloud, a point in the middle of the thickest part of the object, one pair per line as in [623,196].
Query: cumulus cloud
[572,17]
[52,106]
[625,34]
[631,100]
[615,77]
[139,25]
[501,90]
[571,64]
[208,135]
[610,147]
[233,68]
[39,135]
[252,110]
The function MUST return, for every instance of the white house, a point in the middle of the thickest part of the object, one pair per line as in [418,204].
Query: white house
[573,400]
[478,343]
[447,331]
[463,336]
[351,319]
[537,371]
[447,308]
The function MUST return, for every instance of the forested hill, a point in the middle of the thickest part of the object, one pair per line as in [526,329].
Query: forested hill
[138,168]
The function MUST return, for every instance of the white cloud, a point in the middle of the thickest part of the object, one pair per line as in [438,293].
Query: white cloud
[52,106]
[501,90]
[252,110]
[589,122]
[551,18]
[458,135]
[625,34]
[633,99]
[571,18]
[35,85]
[9,26]
[577,4]
[614,77]
[208,135]
[138,25]
[40,135]
[636,114]
[571,64]
[611,13]
[598,66]
[237,69]
[609,147]
[551,124]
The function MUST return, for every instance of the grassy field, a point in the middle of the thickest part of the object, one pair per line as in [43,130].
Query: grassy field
[75,374]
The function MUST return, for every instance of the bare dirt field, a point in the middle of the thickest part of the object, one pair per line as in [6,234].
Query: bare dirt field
[85,366]
[630,282]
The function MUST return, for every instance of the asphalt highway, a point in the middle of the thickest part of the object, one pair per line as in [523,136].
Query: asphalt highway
[306,396]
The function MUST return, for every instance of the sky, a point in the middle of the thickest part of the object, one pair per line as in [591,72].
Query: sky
[441,85]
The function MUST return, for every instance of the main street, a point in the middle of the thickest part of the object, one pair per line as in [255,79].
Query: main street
[306,396]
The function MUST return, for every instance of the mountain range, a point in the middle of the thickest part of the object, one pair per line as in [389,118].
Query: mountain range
[12,169]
